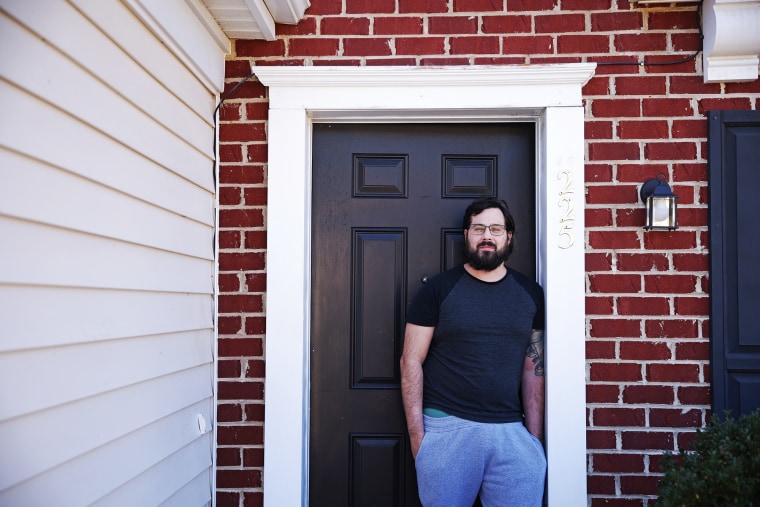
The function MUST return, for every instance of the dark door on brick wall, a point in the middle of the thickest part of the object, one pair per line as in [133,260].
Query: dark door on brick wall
[387,212]
[734,178]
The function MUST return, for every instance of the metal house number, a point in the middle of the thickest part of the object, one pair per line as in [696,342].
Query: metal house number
[567,220]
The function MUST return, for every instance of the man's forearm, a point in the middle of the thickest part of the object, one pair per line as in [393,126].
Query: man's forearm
[411,393]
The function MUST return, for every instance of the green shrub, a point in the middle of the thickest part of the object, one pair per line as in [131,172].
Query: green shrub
[721,468]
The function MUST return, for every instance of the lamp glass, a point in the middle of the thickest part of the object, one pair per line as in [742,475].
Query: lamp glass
[661,212]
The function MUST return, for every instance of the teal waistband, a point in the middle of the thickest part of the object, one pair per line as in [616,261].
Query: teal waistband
[434,412]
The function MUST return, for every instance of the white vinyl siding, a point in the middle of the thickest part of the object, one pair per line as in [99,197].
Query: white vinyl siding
[107,263]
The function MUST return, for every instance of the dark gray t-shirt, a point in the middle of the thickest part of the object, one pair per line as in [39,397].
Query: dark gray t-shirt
[474,365]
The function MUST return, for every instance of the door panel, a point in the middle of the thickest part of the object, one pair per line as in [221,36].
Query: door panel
[387,210]
[734,149]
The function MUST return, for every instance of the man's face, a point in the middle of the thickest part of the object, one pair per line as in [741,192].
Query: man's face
[487,251]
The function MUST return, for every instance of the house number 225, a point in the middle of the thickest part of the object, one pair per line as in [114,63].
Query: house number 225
[567,220]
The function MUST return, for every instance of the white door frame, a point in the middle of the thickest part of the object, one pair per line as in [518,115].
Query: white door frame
[551,96]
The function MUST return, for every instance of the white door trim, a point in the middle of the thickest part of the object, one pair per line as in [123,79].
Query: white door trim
[298,96]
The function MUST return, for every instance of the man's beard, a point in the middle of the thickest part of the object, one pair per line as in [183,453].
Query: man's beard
[486,260]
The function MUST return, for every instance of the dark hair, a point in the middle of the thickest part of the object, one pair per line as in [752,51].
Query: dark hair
[478,206]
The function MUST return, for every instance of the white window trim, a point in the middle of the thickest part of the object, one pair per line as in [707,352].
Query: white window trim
[299,96]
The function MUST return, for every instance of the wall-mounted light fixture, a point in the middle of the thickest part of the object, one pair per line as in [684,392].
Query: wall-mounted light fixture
[661,204]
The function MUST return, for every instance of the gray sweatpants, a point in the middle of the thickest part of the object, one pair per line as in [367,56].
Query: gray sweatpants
[459,459]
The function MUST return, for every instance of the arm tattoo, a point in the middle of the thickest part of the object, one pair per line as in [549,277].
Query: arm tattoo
[536,351]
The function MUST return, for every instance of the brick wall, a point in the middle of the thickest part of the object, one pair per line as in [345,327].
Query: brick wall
[647,293]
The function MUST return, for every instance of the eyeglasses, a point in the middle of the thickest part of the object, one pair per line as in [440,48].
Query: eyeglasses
[480,229]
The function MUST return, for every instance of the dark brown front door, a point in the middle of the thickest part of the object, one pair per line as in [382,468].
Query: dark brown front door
[387,203]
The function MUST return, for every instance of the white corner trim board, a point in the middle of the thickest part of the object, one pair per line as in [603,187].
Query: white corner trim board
[549,95]
[732,40]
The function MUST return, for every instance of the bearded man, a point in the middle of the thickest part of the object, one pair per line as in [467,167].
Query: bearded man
[472,374]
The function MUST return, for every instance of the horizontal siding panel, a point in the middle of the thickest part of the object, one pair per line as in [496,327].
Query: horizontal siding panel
[53,256]
[120,363]
[123,432]
[102,58]
[191,493]
[96,210]
[176,22]
[63,83]
[99,158]
[130,35]
[100,315]
[157,485]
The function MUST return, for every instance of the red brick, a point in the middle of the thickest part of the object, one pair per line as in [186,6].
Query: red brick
[474,45]
[615,328]
[527,45]
[229,368]
[255,368]
[229,239]
[691,261]
[615,108]
[670,284]
[256,282]
[692,306]
[237,347]
[693,351]
[666,107]
[599,306]
[647,440]
[671,329]
[255,325]
[583,44]
[615,283]
[242,261]
[694,395]
[229,412]
[645,350]
[611,194]
[226,478]
[617,502]
[367,47]
[246,303]
[254,412]
[671,240]
[227,325]
[506,24]
[602,393]
[630,217]
[600,484]
[258,48]
[229,196]
[642,262]
[615,21]
[253,499]
[443,61]
[643,306]
[241,217]
[227,499]
[615,372]
[643,129]
[420,45]
[307,26]
[598,261]
[370,6]
[640,42]
[689,128]
[230,111]
[532,5]
[312,46]
[672,372]
[230,153]
[692,85]
[552,23]
[597,349]
[253,457]
[613,240]
[598,217]
[618,463]
[670,150]
[654,394]
[613,151]
[675,418]
[255,240]
[438,25]
[228,457]
[423,6]
[344,25]
[239,391]
[477,5]
[640,484]
[598,172]
[256,153]
[396,25]
[597,130]
[598,85]
[600,439]
[672,20]
[246,174]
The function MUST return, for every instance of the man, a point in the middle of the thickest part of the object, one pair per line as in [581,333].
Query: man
[472,374]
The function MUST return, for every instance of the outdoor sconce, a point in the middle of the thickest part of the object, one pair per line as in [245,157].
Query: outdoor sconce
[661,206]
